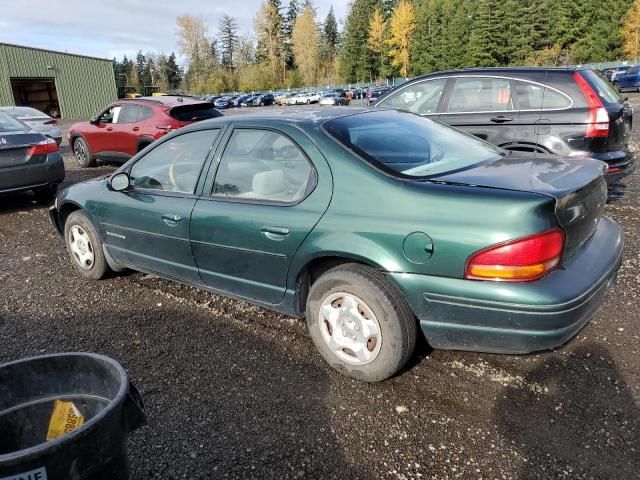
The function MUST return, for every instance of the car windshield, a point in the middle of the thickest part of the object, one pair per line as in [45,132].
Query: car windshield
[10,124]
[407,145]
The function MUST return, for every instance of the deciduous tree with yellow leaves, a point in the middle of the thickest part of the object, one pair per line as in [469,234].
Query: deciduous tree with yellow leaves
[631,30]
[377,34]
[306,45]
[403,26]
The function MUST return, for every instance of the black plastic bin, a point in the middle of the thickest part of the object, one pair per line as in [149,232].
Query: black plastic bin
[98,386]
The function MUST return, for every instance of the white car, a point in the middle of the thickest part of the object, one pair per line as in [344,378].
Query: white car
[295,99]
[37,120]
[313,97]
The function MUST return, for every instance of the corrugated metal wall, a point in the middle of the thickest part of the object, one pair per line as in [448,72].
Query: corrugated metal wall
[85,85]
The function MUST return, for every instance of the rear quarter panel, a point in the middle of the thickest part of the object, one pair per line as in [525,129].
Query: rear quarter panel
[371,214]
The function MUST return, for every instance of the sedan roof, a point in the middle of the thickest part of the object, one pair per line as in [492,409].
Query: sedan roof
[292,115]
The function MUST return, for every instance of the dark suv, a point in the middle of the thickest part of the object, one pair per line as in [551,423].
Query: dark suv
[564,111]
[126,127]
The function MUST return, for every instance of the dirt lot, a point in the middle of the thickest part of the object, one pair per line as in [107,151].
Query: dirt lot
[234,391]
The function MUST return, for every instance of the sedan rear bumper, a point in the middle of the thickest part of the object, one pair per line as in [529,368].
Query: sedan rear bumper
[25,177]
[517,317]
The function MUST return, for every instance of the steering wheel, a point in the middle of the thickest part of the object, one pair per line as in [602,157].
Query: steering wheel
[179,176]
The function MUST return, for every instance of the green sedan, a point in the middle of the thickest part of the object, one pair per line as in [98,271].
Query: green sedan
[371,225]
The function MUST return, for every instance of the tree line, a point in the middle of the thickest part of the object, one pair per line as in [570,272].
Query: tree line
[150,70]
[290,47]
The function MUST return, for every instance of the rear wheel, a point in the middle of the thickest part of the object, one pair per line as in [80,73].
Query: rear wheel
[84,246]
[82,153]
[360,323]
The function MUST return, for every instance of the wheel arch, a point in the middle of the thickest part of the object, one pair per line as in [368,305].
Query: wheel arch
[315,267]
[66,209]
[144,142]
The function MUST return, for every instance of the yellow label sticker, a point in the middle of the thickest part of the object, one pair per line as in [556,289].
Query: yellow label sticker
[64,419]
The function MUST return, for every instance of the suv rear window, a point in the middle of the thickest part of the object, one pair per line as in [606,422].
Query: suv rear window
[606,91]
[408,145]
[195,112]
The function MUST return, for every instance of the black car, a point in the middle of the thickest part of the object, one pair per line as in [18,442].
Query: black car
[224,102]
[28,160]
[263,100]
[376,93]
[240,100]
[564,111]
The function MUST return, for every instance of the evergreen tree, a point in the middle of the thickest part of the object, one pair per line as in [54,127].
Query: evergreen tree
[228,40]
[357,61]
[487,41]
[330,32]
[287,31]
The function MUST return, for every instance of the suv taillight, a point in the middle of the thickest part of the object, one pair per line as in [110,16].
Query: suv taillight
[43,148]
[520,260]
[598,121]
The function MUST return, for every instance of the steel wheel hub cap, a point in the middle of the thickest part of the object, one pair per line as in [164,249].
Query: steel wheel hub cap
[350,328]
[81,247]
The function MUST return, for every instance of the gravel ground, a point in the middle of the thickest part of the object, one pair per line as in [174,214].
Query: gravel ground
[235,391]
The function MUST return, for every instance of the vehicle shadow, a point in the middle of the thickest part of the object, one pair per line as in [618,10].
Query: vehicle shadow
[221,401]
[19,202]
[585,422]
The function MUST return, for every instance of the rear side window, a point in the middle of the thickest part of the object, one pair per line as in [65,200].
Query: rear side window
[129,114]
[194,113]
[270,168]
[605,90]
[476,94]
[532,96]
[144,113]
[421,98]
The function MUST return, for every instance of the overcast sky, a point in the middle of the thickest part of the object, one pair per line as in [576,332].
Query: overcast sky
[113,28]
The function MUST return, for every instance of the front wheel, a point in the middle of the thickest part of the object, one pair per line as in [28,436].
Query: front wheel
[360,323]
[84,246]
[82,153]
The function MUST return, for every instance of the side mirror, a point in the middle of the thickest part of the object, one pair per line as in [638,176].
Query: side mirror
[94,121]
[120,182]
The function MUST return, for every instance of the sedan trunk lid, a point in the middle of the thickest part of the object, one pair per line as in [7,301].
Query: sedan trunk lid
[577,184]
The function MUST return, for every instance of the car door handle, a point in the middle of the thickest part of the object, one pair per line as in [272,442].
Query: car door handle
[171,220]
[275,233]
[135,129]
[109,129]
[501,119]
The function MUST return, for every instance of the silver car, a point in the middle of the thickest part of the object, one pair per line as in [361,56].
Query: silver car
[37,120]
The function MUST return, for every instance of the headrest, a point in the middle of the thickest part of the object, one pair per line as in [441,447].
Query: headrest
[269,183]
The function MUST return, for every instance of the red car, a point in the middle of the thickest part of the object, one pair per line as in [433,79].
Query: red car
[127,126]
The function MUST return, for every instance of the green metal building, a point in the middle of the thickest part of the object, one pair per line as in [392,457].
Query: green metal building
[61,84]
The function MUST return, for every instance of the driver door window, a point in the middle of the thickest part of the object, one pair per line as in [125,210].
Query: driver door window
[175,165]
[112,115]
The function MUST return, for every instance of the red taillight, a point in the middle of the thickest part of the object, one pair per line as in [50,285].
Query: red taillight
[519,260]
[43,148]
[598,121]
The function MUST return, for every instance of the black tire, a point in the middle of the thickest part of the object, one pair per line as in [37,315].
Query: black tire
[99,267]
[308,101]
[398,324]
[83,154]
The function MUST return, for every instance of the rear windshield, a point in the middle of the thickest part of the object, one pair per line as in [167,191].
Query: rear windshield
[407,145]
[605,90]
[194,113]
[25,112]
[10,124]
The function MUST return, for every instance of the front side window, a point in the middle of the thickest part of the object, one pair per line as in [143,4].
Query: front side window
[408,145]
[112,115]
[480,94]
[421,98]
[262,165]
[175,165]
